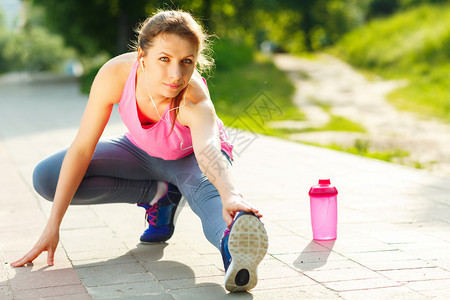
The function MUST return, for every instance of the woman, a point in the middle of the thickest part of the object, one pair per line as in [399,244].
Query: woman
[176,145]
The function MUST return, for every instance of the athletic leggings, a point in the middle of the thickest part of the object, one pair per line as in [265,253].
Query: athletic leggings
[120,172]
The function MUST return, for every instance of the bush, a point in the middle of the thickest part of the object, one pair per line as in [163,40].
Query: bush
[33,50]
[88,77]
[229,54]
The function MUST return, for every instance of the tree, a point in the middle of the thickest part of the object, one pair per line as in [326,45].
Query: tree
[91,26]
[108,25]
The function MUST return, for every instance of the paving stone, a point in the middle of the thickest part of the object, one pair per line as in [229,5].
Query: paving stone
[195,262]
[295,261]
[73,245]
[147,290]
[39,265]
[306,292]
[293,244]
[175,250]
[50,278]
[342,274]
[416,274]
[402,236]
[165,270]
[286,282]
[63,290]
[397,264]
[275,229]
[361,243]
[437,229]
[300,226]
[399,292]
[361,284]
[349,215]
[216,260]
[187,283]
[128,258]
[431,254]
[443,263]
[273,268]
[106,279]
[436,294]
[155,252]
[205,292]
[316,257]
[80,296]
[426,285]
[97,254]
[5,293]
[110,269]
[3,274]
[201,245]
[377,256]
[75,214]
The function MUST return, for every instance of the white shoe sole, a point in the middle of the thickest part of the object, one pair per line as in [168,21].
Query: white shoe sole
[247,243]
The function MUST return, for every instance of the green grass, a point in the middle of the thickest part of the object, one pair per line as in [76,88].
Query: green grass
[338,123]
[240,93]
[412,45]
[362,147]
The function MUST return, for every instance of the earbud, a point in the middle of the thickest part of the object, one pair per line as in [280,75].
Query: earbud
[142,65]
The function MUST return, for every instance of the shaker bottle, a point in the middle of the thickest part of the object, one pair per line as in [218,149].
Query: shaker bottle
[323,200]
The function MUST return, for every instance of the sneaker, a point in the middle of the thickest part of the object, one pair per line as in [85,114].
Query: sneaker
[161,216]
[243,247]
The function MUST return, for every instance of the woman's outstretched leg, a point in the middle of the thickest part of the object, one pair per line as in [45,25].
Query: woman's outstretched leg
[202,196]
[242,247]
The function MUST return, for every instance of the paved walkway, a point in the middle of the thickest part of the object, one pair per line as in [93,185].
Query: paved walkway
[393,233]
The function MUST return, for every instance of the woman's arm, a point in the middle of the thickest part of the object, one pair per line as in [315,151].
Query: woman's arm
[200,116]
[106,90]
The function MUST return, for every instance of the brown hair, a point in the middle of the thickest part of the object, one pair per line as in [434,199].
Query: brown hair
[183,24]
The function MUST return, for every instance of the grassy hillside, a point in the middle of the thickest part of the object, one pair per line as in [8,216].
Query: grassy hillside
[413,45]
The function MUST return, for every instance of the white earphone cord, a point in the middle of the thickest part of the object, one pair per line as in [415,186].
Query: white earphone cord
[157,112]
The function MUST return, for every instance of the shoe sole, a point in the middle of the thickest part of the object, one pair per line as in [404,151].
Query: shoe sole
[174,218]
[248,243]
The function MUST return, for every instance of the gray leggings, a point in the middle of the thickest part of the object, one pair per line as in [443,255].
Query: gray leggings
[120,172]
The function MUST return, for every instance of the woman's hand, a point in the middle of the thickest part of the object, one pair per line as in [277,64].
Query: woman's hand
[47,242]
[235,204]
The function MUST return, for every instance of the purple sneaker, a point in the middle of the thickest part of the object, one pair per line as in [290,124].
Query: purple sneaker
[243,247]
[161,216]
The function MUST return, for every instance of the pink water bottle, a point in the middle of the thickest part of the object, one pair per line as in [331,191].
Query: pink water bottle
[323,200]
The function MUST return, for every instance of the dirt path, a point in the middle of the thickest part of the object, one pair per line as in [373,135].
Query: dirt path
[330,81]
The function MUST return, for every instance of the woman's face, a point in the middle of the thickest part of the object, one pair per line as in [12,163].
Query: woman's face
[169,65]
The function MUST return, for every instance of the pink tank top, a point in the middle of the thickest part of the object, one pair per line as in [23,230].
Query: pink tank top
[156,139]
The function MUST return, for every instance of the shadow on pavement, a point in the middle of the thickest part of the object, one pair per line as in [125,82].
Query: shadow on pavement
[35,282]
[314,256]
[144,272]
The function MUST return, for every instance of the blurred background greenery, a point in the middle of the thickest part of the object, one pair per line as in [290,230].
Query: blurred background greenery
[408,39]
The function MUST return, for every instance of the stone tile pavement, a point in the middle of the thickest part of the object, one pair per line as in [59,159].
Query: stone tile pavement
[393,229]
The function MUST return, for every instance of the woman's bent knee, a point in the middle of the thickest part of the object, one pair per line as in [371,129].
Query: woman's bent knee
[45,176]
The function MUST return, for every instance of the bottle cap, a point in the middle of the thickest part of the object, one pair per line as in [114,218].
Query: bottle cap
[323,189]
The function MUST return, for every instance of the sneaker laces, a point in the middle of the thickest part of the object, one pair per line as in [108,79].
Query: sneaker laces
[150,214]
